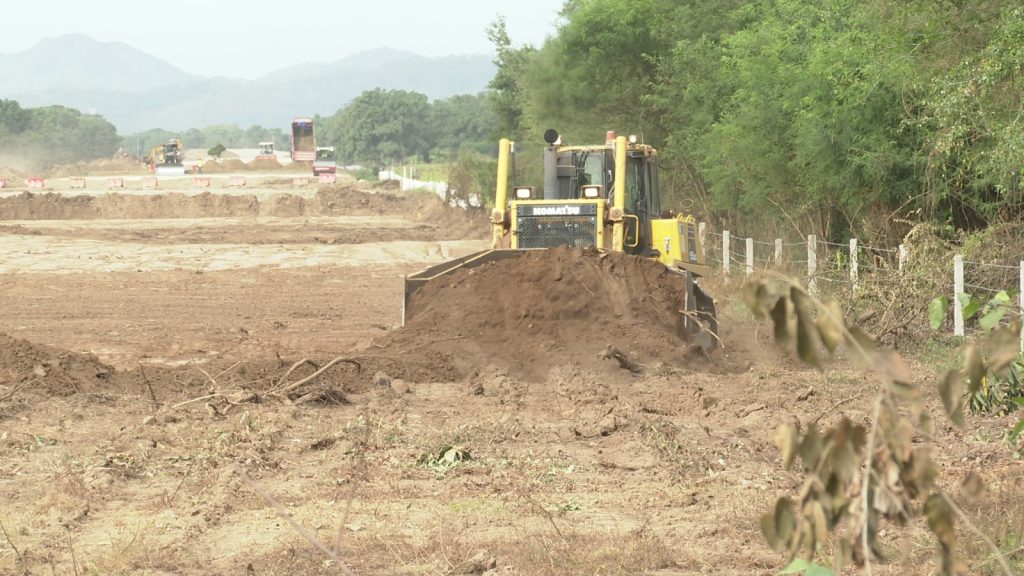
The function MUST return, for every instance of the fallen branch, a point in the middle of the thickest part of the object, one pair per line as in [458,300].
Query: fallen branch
[13,391]
[200,399]
[314,375]
[216,386]
[306,534]
[999,556]
[834,406]
[294,366]
[152,395]
[624,362]
[11,542]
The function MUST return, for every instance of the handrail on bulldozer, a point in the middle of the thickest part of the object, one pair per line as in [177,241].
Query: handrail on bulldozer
[618,210]
[501,193]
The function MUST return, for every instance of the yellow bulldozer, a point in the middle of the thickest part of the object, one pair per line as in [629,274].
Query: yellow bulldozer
[602,196]
[167,159]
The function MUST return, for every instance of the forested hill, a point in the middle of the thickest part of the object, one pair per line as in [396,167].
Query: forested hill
[824,115]
[137,91]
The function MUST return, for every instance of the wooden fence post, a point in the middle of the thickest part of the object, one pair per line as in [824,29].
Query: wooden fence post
[726,255]
[958,289]
[778,251]
[903,257]
[702,229]
[812,263]
[853,262]
[750,256]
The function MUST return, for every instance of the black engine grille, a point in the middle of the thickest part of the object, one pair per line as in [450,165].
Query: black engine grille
[548,231]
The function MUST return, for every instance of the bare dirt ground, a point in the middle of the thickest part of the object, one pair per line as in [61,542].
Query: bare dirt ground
[157,415]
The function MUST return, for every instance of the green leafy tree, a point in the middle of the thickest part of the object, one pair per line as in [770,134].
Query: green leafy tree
[49,135]
[975,130]
[506,87]
[465,122]
[217,150]
[383,126]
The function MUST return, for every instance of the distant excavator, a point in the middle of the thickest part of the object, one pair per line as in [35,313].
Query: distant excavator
[168,159]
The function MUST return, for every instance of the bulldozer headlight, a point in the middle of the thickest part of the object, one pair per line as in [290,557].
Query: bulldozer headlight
[592,191]
[524,192]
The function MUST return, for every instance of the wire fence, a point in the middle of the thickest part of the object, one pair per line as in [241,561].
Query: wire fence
[853,267]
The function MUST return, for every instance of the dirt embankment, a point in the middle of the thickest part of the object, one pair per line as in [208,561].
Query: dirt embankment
[223,166]
[102,167]
[550,308]
[266,164]
[48,371]
[328,201]
[12,175]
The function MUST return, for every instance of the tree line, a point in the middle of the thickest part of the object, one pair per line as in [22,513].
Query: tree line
[226,135]
[377,128]
[381,127]
[37,138]
[828,116]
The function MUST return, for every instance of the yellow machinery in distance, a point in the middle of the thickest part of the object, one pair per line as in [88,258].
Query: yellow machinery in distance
[604,196]
[168,158]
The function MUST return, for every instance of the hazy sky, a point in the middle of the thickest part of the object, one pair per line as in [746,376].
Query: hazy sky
[246,39]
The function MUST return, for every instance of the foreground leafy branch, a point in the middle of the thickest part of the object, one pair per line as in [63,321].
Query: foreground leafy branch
[854,476]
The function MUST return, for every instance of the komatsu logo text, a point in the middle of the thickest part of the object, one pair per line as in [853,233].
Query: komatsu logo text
[556,211]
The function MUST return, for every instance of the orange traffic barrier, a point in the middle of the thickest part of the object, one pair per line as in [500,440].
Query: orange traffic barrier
[201,181]
[236,181]
[328,178]
[115,183]
[3,183]
[150,182]
[37,183]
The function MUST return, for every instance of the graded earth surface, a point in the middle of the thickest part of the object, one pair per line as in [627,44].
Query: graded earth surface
[218,382]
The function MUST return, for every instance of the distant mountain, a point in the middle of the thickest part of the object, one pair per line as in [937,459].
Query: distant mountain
[136,91]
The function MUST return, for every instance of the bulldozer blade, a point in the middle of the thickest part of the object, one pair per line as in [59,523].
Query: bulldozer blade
[413,282]
[698,317]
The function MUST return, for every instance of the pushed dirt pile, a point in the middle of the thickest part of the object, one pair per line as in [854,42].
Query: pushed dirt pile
[549,308]
[224,166]
[427,209]
[101,167]
[12,175]
[265,164]
[51,206]
[48,371]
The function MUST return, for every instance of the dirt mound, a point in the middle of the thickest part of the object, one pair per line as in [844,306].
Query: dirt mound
[423,209]
[265,164]
[224,166]
[51,206]
[549,308]
[44,370]
[12,175]
[101,167]
[416,206]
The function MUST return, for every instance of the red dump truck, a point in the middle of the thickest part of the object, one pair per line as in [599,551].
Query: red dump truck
[303,140]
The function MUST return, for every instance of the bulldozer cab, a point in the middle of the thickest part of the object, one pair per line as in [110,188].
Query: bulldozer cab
[581,168]
[325,154]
